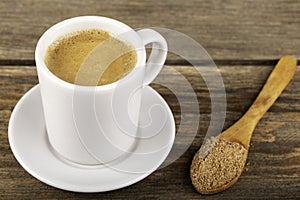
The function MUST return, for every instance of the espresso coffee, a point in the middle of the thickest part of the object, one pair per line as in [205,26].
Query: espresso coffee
[90,57]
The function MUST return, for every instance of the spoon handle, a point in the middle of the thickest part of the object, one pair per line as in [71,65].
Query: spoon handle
[277,81]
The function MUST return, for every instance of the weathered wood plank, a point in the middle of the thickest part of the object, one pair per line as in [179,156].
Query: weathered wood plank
[236,30]
[274,155]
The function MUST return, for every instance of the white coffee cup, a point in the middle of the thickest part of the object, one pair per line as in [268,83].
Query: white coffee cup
[92,125]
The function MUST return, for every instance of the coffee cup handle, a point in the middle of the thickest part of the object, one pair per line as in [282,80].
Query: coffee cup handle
[158,54]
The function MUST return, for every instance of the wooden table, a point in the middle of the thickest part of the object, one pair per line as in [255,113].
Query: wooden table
[245,39]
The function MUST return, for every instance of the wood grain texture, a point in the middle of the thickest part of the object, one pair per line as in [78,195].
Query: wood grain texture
[232,29]
[274,158]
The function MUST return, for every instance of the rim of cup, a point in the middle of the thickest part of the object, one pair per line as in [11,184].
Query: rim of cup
[39,57]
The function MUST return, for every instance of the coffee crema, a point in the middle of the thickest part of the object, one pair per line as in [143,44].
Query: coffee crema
[90,57]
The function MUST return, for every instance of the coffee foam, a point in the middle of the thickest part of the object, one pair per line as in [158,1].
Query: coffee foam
[90,57]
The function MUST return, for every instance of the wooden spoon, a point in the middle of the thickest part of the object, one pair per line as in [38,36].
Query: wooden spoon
[242,130]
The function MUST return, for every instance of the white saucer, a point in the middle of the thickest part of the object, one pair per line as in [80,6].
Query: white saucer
[29,143]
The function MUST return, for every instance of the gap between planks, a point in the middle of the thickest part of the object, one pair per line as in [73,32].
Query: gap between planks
[168,62]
